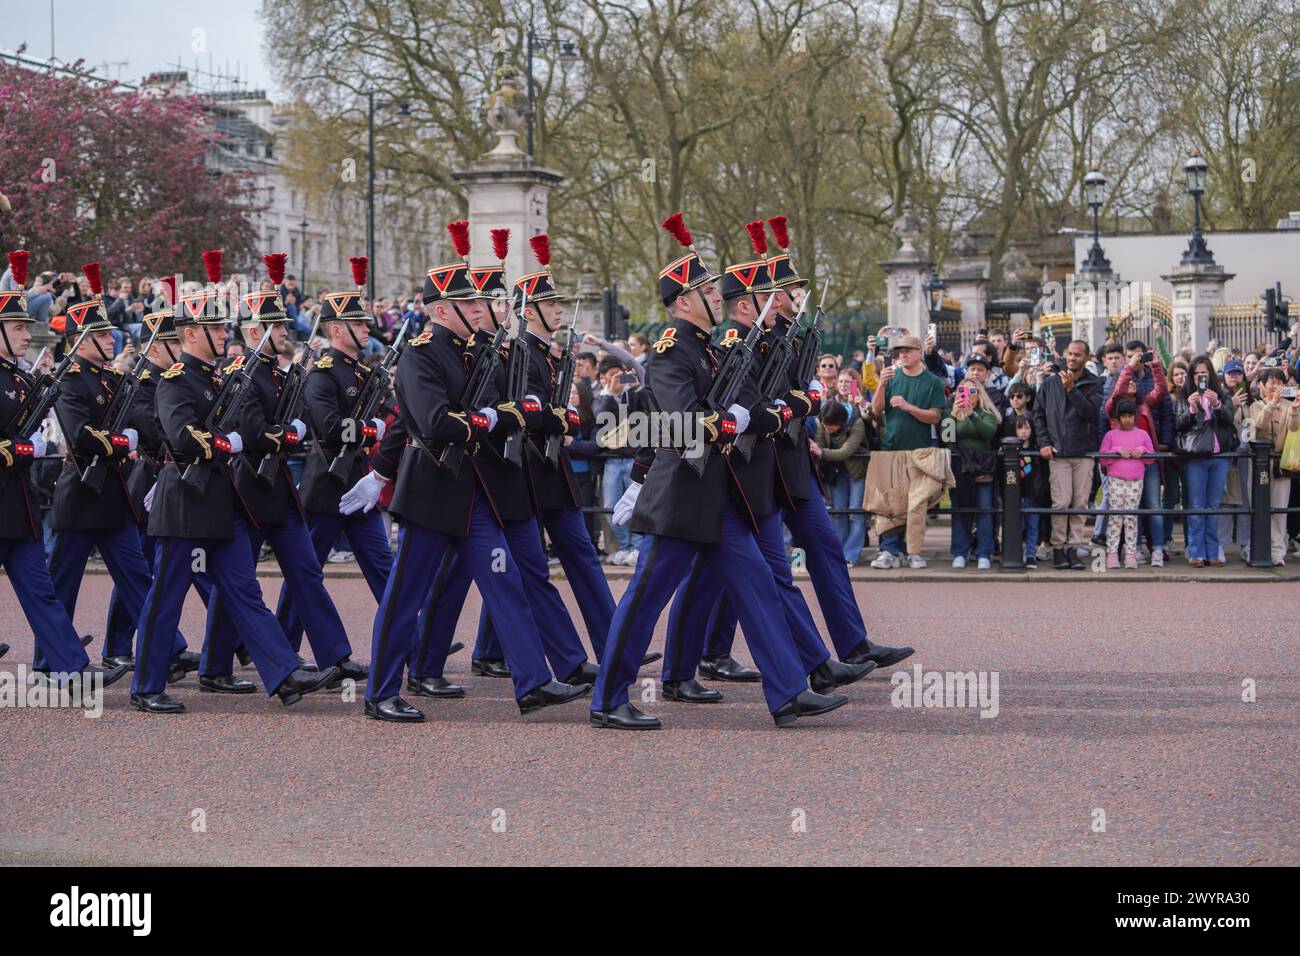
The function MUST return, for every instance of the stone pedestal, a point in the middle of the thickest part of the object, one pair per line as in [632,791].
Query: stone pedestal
[507,188]
[1197,290]
[905,274]
[1093,298]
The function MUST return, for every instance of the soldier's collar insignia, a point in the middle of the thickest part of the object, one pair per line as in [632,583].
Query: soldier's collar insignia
[700,334]
[175,370]
[144,374]
[731,337]
[666,341]
[74,367]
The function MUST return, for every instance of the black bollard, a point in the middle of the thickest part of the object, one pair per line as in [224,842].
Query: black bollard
[1261,525]
[1013,548]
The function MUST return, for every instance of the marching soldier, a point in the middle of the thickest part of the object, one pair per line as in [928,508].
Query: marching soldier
[803,507]
[745,291]
[82,517]
[271,507]
[119,631]
[443,502]
[333,384]
[686,515]
[22,548]
[193,516]
[551,481]
[508,485]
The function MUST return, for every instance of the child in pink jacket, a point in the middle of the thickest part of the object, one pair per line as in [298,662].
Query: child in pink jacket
[1125,474]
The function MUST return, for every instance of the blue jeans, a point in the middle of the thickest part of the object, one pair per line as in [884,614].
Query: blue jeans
[1204,479]
[973,494]
[1152,527]
[1031,537]
[617,476]
[895,541]
[848,492]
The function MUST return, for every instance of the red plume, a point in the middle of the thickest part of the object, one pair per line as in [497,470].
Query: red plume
[779,230]
[460,237]
[91,269]
[169,282]
[541,249]
[678,229]
[212,262]
[757,236]
[18,263]
[501,243]
[360,269]
[275,266]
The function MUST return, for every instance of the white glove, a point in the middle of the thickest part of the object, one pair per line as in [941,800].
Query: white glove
[148,497]
[532,398]
[299,426]
[364,495]
[132,438]
[39,444]
[741,415]
[623,509]
[236,443]
[380,428]
[491,415]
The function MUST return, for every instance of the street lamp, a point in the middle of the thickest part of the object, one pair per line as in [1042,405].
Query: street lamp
[568,54]
[934,288]
[403,109]
[1094,194]
[302,273]
[1197,253]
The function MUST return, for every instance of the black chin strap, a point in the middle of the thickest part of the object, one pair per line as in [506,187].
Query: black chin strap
[708,310]
[4,331]
[211,345]
[353,336]
[167,346]
[469,329]
[103,359]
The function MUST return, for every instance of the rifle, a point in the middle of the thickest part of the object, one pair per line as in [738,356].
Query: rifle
[810,348]
[221,416]
[366,405]
[486,361]
[517,385]
[560,394]
[774,378]
[119,412]
[287,409]
[728,382]
[38,402]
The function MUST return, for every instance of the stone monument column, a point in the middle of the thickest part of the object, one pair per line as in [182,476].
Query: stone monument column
[905,274]
[507,188]
[1198,288]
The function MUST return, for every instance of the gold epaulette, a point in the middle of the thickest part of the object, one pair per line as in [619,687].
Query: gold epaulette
[731,337]
[235,366]
[74,368]
[325,361]
[424,338]
[175,370]
[666,341]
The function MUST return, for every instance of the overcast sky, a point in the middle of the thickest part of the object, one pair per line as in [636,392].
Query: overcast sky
[148,35]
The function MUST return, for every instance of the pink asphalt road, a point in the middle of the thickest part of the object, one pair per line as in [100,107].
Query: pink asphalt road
[1123,700]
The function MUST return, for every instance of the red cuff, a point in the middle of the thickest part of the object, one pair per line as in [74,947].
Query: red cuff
[532,406]
[787,413]
[480,421]
[220,443]
[369,431]
[291,436]
[728,426]
[574,420]
[25,448]
[121,441]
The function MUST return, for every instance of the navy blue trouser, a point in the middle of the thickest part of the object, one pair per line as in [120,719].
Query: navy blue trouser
[58,645]
[306,585]
[234,576]
[119,628]
[568,531]
[368,537]
[737,564]
[701,606]
[493,569]
[437,624]
[120,549]
[811,527]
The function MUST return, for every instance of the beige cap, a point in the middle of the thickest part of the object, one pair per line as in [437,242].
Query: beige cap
[905,342]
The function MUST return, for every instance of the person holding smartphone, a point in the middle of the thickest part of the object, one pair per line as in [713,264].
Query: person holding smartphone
[1203,424]
[1275,417]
